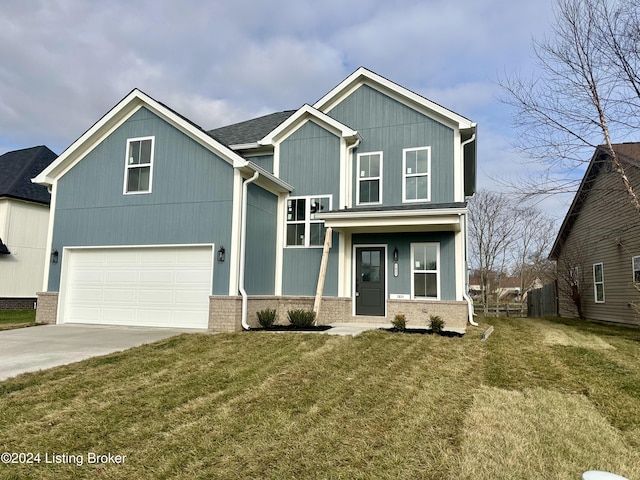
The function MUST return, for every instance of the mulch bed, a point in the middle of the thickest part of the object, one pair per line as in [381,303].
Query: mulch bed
[422,331]
[292,328]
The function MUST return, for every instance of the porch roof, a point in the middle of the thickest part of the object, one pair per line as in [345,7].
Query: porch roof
[404,218]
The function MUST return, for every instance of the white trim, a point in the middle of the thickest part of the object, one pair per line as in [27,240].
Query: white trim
[303,115]
[64,265]
[595,290]
[458,167]
[363,76]
[354,259]
[307,221]
[48,249]
[633,269]
[437,271]
[234,250]
[128,167]
[359,178]
[416,175]
[119,114]
[460,267]
[280,243]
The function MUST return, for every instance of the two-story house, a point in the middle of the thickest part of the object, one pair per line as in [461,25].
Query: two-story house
[24,217]
[355,205]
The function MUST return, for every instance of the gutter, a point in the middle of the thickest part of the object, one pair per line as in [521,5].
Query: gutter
[465,294]
[243,239]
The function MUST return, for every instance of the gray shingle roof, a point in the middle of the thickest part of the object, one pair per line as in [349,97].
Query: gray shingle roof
[249,131]
[17,168]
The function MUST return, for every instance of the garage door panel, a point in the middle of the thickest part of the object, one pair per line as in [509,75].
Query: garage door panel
[119,295]
[155,275]
[195,276]
[117,316]
[121,256]
[185,297]
[157,286]
[87,295]
[84,276]
[156,296]
[121,276]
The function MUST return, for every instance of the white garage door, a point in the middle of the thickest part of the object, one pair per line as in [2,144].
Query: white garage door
[142,286]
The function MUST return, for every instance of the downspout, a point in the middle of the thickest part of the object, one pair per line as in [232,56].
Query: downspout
[465,293]
[350,150]
[243,238]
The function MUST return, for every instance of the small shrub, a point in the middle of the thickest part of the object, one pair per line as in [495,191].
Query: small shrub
[437,324]
[301,318]
[399,322]
[266,317]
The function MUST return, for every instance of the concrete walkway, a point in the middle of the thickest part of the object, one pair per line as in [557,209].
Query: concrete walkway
[31,349]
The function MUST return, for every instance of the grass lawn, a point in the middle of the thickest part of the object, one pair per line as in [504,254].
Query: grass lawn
[538,399]
[17,318]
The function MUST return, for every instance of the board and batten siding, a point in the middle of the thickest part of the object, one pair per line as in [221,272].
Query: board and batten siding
[389,126]
[607,231]
[402,283]
[190,202]
[260,261]
[23,228]
[310,160]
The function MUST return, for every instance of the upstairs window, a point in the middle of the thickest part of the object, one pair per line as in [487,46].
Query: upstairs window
[598,282]
[636,270]
[303,229]
[137,174]
[416,173]
[369,189]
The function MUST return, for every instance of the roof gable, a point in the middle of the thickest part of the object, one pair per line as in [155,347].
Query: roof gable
[19,167]
[362,76]
[628,153]
[135,100]
[299,118]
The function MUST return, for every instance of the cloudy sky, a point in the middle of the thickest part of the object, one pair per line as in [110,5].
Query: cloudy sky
[65,63]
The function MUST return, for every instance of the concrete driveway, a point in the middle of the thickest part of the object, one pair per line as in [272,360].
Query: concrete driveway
[36,348]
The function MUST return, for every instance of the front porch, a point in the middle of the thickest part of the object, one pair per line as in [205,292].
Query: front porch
[225,312]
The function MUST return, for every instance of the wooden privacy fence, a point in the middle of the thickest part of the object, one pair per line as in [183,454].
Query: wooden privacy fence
[543,302]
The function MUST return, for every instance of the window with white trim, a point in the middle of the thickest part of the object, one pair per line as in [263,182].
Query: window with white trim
[636,269]
[369,189]
[416,178]
[425,270]
[138,164]
[598,282]
[303,229]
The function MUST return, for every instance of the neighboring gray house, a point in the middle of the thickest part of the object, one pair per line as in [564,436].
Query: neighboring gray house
[24,217]
[598,247]
[158,222]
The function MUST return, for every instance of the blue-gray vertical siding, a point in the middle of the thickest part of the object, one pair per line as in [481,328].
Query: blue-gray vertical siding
[191,199]
[264,161]
[260,261]
[310,161]
[389,126]
[402,283]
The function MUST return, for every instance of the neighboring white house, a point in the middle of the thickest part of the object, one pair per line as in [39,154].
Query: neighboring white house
[24,219]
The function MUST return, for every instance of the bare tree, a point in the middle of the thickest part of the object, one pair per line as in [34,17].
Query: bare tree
[492,224]
[571,275]
[588,92]
[532,242]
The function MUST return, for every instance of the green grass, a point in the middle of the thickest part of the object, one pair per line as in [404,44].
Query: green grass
[538,399]
[17,319]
